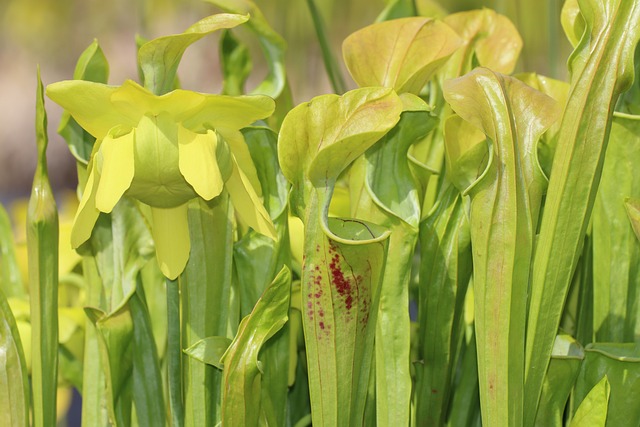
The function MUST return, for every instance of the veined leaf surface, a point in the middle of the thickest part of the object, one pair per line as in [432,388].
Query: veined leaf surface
[601,69]
[505,203]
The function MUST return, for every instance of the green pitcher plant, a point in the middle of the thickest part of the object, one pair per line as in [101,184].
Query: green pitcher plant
[449,239]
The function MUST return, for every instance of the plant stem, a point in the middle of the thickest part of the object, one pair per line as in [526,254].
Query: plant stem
[330,63]
[42,246]
[174,354]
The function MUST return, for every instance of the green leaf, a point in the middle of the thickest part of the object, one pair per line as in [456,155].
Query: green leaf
[601,69]
[242,369]
[11,283]
[147,379]
[445,271]
[389,180]
[558,90]
[465,401]
[330,64]
[397,9]
[336,130]
[120,246]
[14,381]
[159,58]
[344,258]
[341,281]
[273,45]
[620,364]
[616,251]
[632,207]
[572,22]
[115,332]
[42,247]
[235,62]
[210,350]
[92,65]
[206,294]
[566,360]
[487,39]
[257,259]
[390,198]
[94,401]
[402,54]
[505,203]
[592,412]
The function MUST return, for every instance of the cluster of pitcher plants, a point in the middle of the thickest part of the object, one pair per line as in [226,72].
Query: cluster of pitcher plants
[449,243]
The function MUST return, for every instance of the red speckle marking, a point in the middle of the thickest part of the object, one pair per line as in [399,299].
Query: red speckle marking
[434,391]
[321,324]
[342,284]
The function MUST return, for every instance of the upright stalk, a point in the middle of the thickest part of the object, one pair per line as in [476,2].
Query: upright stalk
[174,354]
[330,63]
[42,246]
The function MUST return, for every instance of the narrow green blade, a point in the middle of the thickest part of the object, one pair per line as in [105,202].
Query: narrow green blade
[445,254]
[42,247]
[601,69]
[620,364]
[14,381]
[616,250]
[506,185]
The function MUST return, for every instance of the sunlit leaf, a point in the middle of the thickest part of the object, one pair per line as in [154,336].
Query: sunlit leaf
[402,54]
[273,45]
[42,247]
[487,39]
[159,58]
[566,360]
[620,364]
[601,69]
[14,382]
[390,198]
[616,251]
[506,199]
[445,271]
[241,399]
[593,409]
[11,283]
[337,129]
[572,21]
[92,65]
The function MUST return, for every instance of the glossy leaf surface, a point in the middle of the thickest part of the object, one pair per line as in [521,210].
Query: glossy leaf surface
[564,367]
[14,381]
[42,246]
[389,196]
[273,45]
[242,370]
[616,250]
[159,58]
[505,203]
[601,69]
[620,364]
[445,253]
[402,54]
[336,129]
[593,409]
[488,39]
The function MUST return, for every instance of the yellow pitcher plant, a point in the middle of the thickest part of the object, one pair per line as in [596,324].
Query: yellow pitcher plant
[163,151]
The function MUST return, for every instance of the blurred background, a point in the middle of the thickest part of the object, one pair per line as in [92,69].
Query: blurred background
[53,33]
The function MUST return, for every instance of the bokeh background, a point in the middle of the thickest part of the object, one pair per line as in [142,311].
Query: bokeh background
[53,33]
